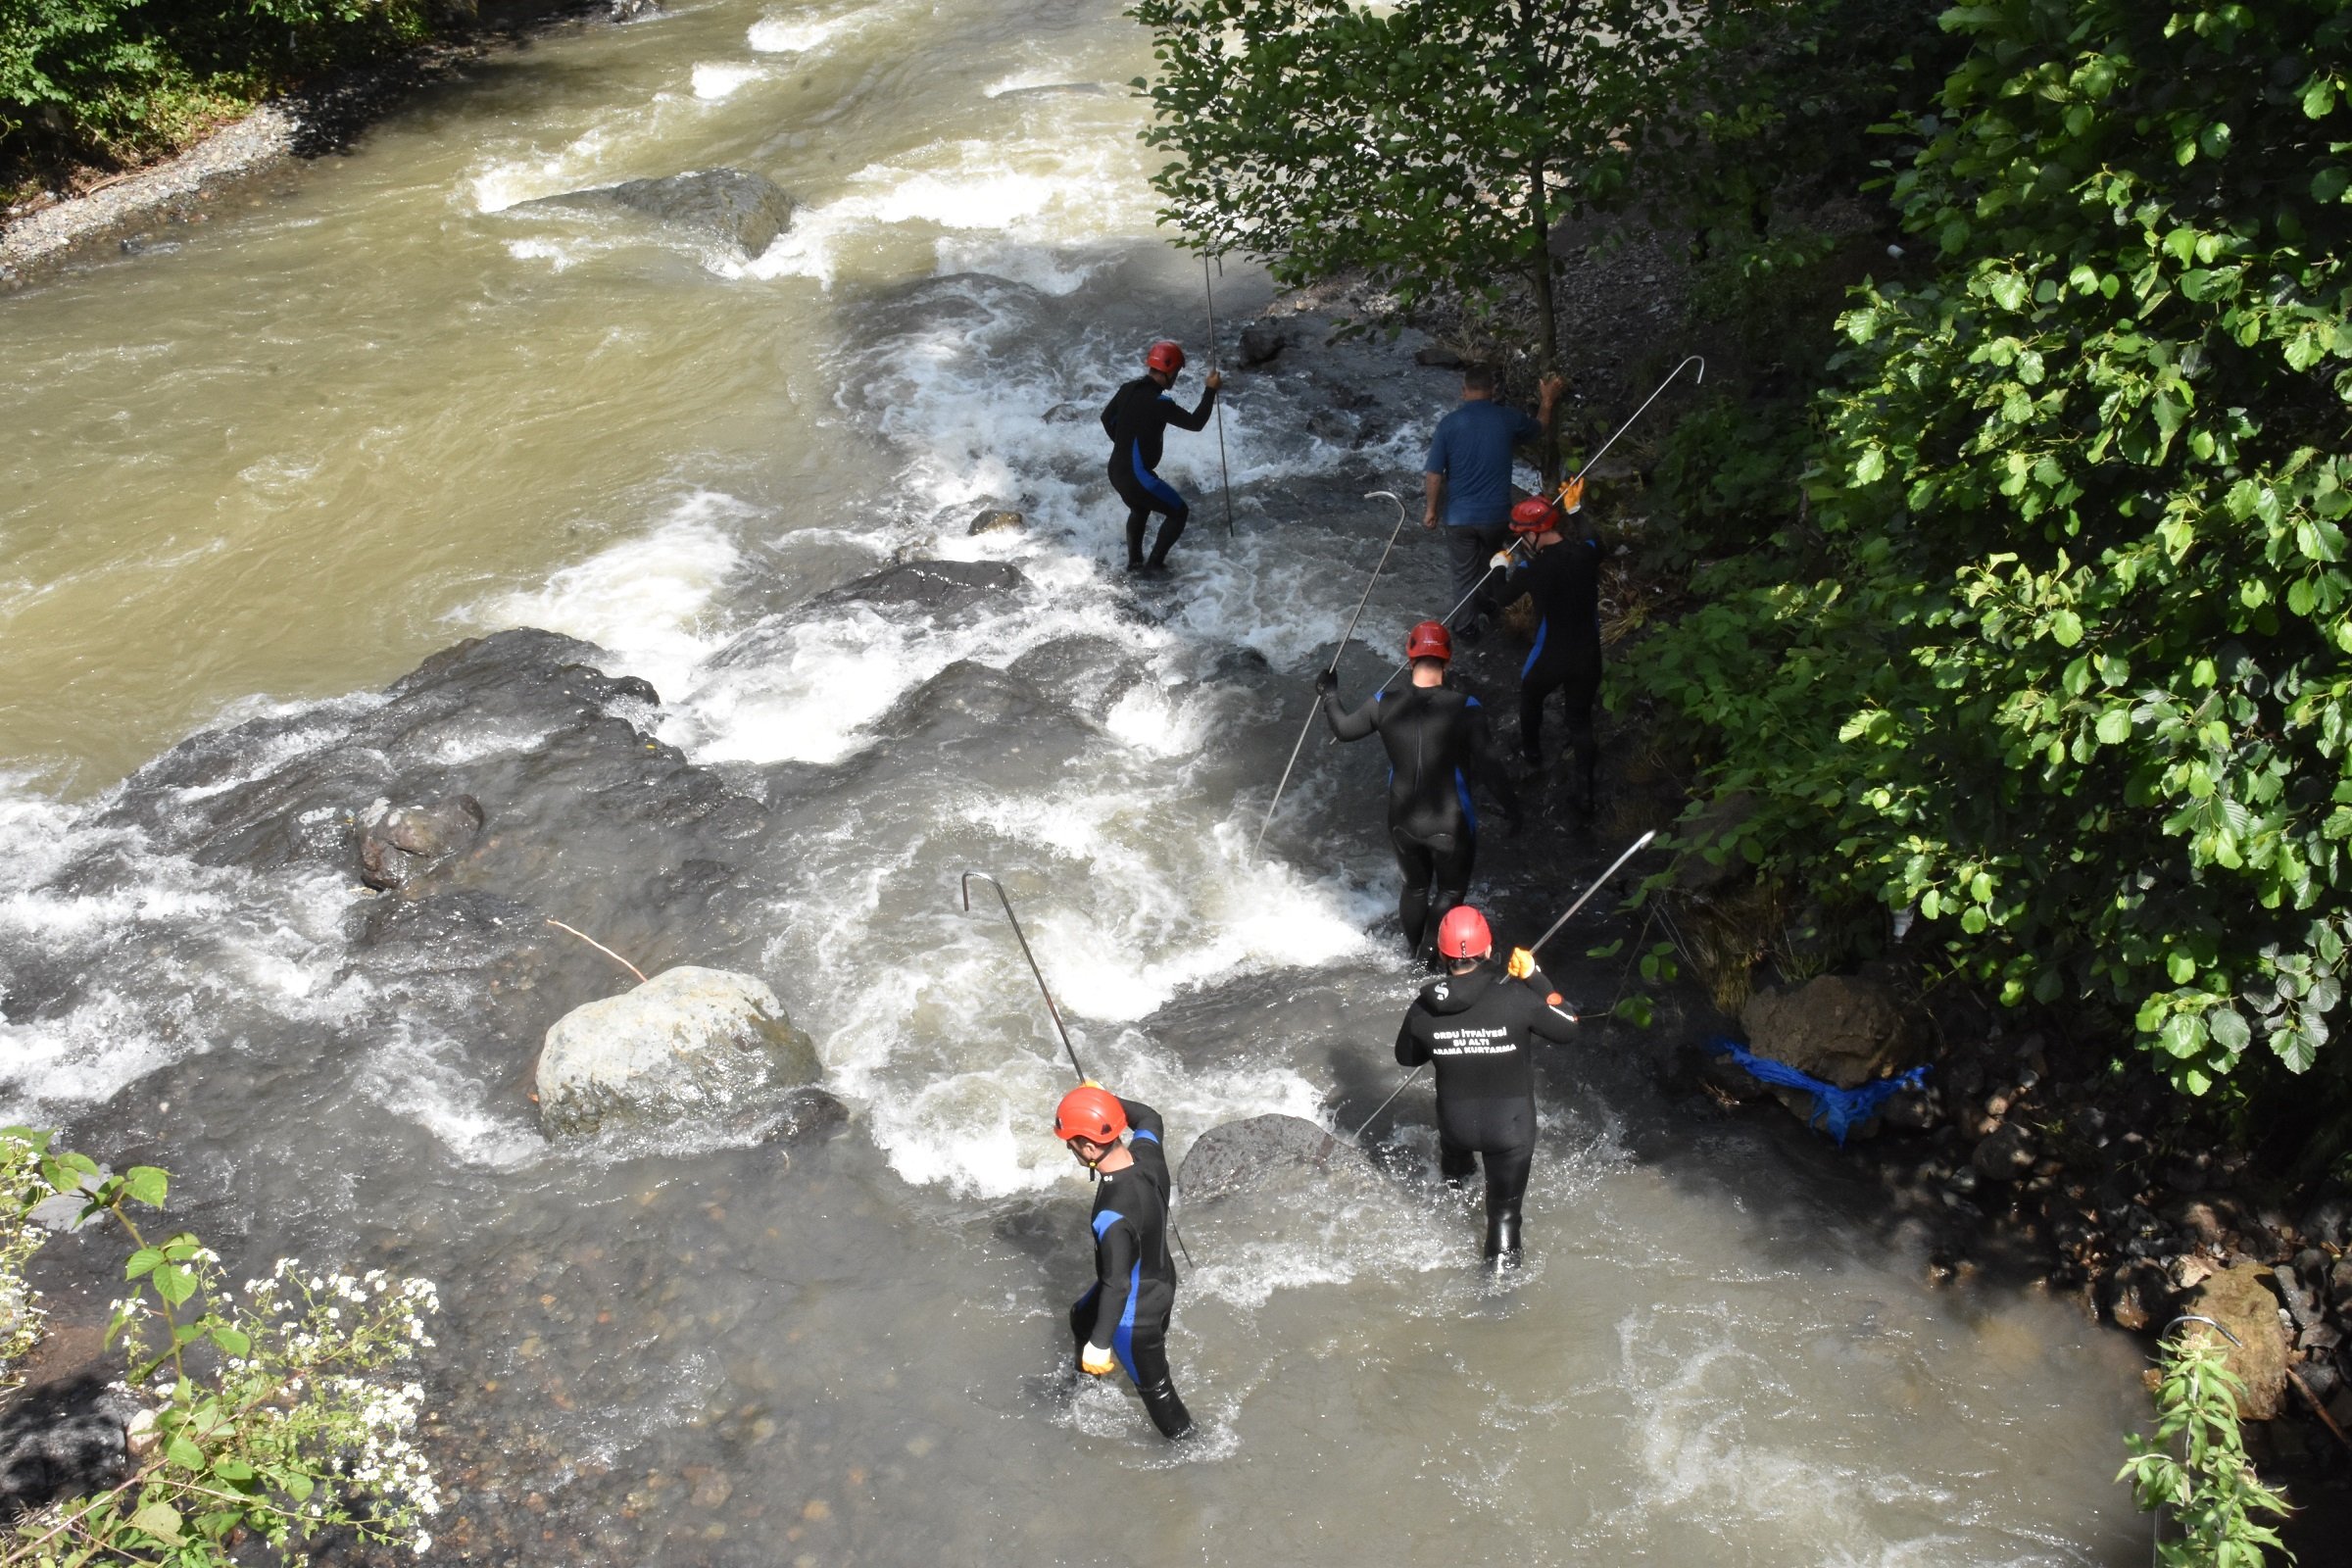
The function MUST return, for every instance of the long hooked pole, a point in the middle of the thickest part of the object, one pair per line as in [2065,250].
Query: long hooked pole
[1023,938]
[1599,883]
[1334,666]
[1698,360]
[1224,474]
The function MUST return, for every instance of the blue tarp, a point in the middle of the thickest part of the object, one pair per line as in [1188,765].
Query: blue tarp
[1839,1110]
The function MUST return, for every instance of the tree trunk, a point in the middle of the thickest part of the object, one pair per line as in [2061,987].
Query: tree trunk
[1547,324]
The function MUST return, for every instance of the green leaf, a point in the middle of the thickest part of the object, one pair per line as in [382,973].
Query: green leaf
[183,1453]
[158,1519]
[1870,466]
[232,1341]
[142,1261]
[2066,628]
[147,1184]
[175,1283]
[2115,726]
[2180,967]
[2228,1029]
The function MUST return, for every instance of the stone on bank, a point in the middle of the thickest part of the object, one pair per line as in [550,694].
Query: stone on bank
[689,1041]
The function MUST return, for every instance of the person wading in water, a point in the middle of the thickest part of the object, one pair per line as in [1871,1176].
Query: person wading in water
[1563,574]
[1122,1320]
[1479,1024]
[1436,738]
[1468,478]
[1137,416]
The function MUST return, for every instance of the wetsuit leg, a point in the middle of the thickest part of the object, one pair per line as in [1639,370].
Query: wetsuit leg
[1455,855]
[1137,517]
[1152,1380]
[1539,678]
[1456,1161]
[1169,532]
[1418,865]
[1579,685]
[1506,1187]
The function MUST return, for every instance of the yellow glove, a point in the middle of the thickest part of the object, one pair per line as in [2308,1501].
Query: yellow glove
[1088,1083]
[1523,963]
[1095,1362]
[1571,496]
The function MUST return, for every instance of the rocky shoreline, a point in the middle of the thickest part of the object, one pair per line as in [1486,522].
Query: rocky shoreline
[39,240]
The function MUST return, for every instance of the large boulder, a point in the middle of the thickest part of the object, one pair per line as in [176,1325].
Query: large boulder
[1283,1152]
[1843,1030]
[2239,1300]
[688,1042]
[749,211]
[64,1440]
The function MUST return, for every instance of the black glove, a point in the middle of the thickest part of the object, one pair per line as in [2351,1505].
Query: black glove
[1326,681]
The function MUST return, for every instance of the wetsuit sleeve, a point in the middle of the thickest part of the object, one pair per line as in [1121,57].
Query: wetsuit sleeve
[1411,1050]
[1544,1020]
[1110,415]
[1116,1252]
[1174,412]
[1352,726]
[1490,761]
[1145,1120]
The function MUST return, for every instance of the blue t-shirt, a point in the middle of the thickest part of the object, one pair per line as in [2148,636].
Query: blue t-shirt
[1472,449]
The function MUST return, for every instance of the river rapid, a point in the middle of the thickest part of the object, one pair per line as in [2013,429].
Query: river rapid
[254,475]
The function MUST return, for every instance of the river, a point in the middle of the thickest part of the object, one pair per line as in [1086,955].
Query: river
[255,473]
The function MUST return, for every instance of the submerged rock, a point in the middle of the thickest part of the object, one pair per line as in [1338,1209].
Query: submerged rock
[747,209]
[1262,342]
[1263,1153]
[688,1040]
[936,587]
[997,520]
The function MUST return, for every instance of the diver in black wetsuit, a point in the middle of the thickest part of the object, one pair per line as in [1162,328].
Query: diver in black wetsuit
[1477,1024]
[1436,739]
[1123,1319]
[1137,416]
[1563,574]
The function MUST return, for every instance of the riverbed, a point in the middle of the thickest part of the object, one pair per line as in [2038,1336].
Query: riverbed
[259,471]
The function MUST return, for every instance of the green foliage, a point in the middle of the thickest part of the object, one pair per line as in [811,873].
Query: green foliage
[120,78]
[1431,145]
[268,1416]
[2213,1493]
[21,1316]
[2062,661]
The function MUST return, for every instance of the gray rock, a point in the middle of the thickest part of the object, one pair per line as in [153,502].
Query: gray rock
[1238,1158]
[632,10]
[690,1041]
[64,1440]
[1262,342]
[997,520]
[1438,357]
[935,587]
[2006,1155]
[749,211]
[398,844]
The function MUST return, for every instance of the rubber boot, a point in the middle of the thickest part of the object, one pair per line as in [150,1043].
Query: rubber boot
[1502,1241]
[1166,1411]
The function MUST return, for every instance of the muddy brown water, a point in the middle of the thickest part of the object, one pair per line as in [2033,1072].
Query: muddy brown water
[270,463]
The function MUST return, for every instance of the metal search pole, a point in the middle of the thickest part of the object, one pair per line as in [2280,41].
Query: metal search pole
[1023,938]
[1334,666]
[1224,474]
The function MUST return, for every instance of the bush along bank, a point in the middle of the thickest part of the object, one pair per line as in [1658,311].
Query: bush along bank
[89,88]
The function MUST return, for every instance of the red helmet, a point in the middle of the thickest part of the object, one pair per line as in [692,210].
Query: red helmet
[1463,934]
[1534,514]
[1092,1114]
[1165,355]
[1429,640]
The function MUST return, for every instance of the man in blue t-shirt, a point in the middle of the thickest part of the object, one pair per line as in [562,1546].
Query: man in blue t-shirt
[1468,477]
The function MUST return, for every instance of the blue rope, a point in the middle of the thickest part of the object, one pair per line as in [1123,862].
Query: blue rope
[1837,1111]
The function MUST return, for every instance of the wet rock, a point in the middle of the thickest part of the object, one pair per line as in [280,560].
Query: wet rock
[1262,342]
[64,1440]
[632,10]
[2135,1294]
[2005,1154]
[2328,1221]
[996,520]
[2339,1285]
[2239,1299]
[1438,357]
[938,588]
[689,1041]
[1236,1158]
[748,210]
[969,716]
[398,844]
[1843,1030]
[807,1116]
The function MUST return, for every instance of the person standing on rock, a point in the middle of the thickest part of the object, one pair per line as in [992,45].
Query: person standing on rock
[1563,576]
[1136,419]
[1122,1320]
[1468,478]
[1479,1024]
[1436,739]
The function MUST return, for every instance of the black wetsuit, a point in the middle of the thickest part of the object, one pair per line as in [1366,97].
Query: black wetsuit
[1136,418]
[1436,738]
[1565,582]
[1478,1028]
[1128,1307]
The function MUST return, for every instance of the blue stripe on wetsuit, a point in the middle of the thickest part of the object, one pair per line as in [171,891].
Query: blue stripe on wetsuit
[1152,483]
[1122,1338]
[1537,651]
[1151,1136]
